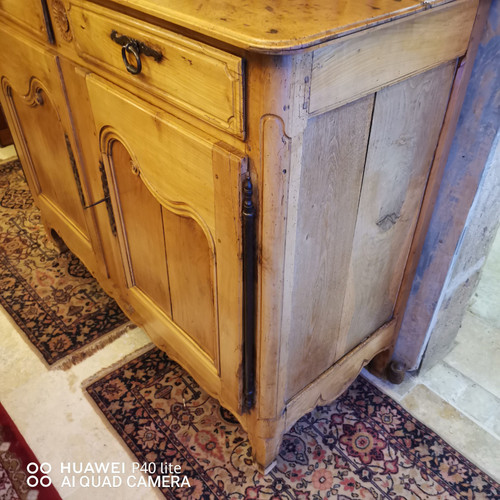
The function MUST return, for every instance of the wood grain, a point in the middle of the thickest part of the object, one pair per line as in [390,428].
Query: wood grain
[139,218]
[27,13]
[174,162]
[406,122]
[364,64]
[191,266]
[336,206]
[203,80]
[332,383]
[104,243]
[172,222]
[268,27]
[328,202]
[32,98]
[47,150]
[229,166]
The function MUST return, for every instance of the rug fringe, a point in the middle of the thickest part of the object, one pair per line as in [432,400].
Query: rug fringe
[111,368]
[76,357]
[87,350]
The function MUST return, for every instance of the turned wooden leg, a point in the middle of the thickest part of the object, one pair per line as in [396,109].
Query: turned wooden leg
[378,365]
[383,367]
[396,372]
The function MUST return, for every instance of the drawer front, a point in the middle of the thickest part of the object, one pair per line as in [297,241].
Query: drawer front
[26,13]
[206,82]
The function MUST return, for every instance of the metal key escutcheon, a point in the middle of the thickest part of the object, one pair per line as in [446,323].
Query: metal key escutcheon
[135,48]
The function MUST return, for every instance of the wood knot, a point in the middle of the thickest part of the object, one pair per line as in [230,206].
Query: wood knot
[385,223]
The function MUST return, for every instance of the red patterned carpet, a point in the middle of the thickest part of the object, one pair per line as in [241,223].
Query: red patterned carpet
[15,455]
[50,295]
[362,446]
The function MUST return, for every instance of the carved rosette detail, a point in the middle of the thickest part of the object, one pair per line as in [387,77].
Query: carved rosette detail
[61,20]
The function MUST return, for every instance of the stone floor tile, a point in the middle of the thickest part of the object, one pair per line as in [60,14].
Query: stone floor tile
[479,446]
[396,392]
[446,381]
[480,404]
[477,353]
[58,421]
[485,302]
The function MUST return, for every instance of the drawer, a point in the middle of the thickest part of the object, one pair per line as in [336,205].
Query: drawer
[205,81]
[27,13]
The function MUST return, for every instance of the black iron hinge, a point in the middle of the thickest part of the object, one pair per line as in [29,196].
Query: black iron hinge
[248,216]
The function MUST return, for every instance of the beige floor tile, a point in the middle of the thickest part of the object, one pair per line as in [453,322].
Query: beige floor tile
[17,364]
[486,299]
[477,353]
[472,441]
[481,405]
[444,380]
[396,392]
[8,153]
[59,423]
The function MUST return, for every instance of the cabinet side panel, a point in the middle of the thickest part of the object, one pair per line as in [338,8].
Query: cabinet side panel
[407,119]
[333,159]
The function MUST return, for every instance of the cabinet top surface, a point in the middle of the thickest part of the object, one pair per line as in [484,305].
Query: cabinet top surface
[277,25]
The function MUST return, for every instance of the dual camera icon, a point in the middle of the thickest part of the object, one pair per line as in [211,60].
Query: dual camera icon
[42,479]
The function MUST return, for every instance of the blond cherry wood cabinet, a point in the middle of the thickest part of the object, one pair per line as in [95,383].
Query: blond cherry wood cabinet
[250,181]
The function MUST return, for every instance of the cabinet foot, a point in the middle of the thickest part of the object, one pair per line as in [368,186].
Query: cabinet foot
[55,238]
[396,372]
[265,451]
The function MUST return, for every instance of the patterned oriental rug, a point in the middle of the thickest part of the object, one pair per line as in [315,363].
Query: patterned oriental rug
[15,457]
[50,295]
[364,445]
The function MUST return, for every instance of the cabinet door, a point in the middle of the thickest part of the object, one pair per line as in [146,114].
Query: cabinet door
[33,101]
[175,194]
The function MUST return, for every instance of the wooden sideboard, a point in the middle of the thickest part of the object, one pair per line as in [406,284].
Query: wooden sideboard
[250,181]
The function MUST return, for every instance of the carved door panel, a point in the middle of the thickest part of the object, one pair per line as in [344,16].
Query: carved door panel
[33,100]
[176,199]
